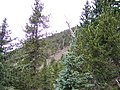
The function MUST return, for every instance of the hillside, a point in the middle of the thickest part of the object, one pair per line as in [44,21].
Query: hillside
[57,42]
[55,46]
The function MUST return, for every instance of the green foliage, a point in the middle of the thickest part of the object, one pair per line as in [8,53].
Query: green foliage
[5,39]
[57,41]
[20,67]
[35,55]
[73,77]
[100,46]
[92,62]
[86,15]
[99,6]
[48,75]
[115,6]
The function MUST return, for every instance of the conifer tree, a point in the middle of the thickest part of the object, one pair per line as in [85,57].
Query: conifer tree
[5,39]
[34,43]
[115,5]
[86,16]
[100,46]
[74,75]
[97,8]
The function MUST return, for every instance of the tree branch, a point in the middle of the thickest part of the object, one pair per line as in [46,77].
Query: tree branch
[72,33]
[118,83]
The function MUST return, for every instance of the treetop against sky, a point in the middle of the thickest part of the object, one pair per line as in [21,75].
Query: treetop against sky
[18,12]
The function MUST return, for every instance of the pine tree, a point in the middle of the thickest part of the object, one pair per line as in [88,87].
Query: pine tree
[44,78]
[74,75]
[115,5]
[34,43]
[99,43]
[85,18]
[97,8]
[100,46]
[5,39]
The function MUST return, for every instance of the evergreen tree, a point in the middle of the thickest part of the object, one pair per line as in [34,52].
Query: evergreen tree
[115,5]
[97,8]
[54,68]
[100,46]
[96,41]
[33,45]
[5,39]
[74,75]
[85,18]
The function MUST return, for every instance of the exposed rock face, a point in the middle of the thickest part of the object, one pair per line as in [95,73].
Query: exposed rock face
[57,56]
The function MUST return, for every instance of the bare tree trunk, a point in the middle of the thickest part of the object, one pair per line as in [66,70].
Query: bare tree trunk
[118,83]
[72,33]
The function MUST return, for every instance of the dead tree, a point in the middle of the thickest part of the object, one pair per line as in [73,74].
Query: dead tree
[71,31]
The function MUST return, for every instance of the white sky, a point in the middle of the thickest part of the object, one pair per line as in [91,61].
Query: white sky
[17,13]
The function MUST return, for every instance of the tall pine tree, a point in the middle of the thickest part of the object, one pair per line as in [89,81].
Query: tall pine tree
[99,43]
[85,18]
[5,40]
[34,43]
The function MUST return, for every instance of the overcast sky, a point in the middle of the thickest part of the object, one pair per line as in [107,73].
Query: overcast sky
[17,13]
